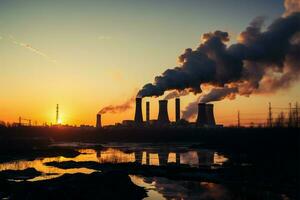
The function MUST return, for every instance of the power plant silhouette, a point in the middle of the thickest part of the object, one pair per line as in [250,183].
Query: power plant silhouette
[163,117]
[138,117]
[177,109]
[205,116]
[98,121]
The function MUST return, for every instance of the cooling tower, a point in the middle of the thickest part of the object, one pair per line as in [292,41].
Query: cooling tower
[98,121]
[202,117]
[138,117]
[147,111]
[210,119]
[163,116]
[177,109]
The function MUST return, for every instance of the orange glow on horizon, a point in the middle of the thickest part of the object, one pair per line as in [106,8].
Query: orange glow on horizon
[81,111]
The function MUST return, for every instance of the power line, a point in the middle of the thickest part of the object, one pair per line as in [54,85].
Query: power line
[270,115]
[290,115]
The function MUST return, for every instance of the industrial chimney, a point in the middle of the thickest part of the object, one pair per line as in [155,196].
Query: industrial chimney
[177,109]
[98,122]
[163,116]
[210,119]
[138,117]
[202,117]
[147,111]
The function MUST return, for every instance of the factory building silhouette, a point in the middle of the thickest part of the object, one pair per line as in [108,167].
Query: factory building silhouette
[147,111]
[177,109]
[138,117]
[205,117]
[163,117]
[98,121]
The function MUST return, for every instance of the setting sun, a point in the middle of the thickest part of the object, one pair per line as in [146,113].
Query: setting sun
[149,99]
[59,121]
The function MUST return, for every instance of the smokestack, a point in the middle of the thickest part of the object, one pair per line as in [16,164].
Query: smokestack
[138,117]
[202,116]
[210,115]
[177,109]
[98,122]
[163,116]
[147,111]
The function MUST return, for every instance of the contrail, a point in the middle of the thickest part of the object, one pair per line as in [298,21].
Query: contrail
[32,49]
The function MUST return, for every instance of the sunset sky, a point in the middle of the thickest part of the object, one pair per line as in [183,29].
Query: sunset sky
[87,54]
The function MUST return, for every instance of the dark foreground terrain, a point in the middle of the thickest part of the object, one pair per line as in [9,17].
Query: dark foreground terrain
[265,160]
[76,186]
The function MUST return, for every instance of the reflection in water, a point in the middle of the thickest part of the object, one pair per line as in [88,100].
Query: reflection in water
[114,155]
[172,158]
[49,172]
[214,191]
[154,160]
[202,158]
[162,188]
[149,186]
[219,159]
[189,158]
[159,188]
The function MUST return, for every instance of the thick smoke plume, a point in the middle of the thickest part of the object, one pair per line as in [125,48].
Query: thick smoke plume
[262,61]
[118,108]
[191,109]
[176,93]
[217,94]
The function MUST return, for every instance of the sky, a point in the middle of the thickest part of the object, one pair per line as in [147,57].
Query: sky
[87,54]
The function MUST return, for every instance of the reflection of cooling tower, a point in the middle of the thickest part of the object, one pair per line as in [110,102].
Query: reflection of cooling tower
[205,157]
[138,117]
[177,109]
[210,115]
[202,117]
[147,111]
[98,122]
[163,116]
